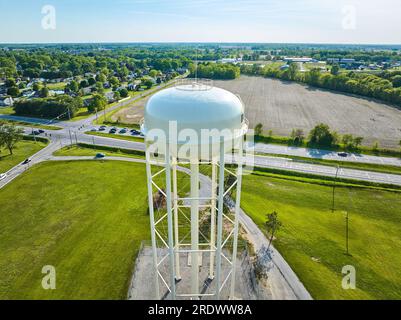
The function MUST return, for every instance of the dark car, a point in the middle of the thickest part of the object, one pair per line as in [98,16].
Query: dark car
[100,155]
[26,161]
[102,128]
[122,131]
[35,132]
[135,132]
[342,154]
[112,131]
[41,131]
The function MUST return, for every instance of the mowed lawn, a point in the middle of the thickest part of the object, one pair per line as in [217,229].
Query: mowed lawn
[87,219]
[312,238]
[24,149]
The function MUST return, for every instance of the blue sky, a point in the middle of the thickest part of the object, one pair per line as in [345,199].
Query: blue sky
[313,21]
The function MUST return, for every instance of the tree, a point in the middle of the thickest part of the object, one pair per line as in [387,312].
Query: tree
[148,83]
[258,129]
[272,225]
[397,81]
[36,86]
[44,92]
[83,84]
[9,136]
[10,82]
[91,81]
[73,86]
[98,103]
[322,136]
[292,71]
[124,93]
[117,95]
[297,136]
[335,69]
[13,91]
[350,142]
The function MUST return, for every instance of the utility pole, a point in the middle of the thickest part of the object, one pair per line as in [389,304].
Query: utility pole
[69,131]
[347,232]
[33,133]
[334,187]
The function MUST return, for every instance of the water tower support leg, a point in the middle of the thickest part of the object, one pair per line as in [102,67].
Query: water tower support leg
[152,223]
[170,223]
[195,228]
[213,221]
[176,232]
[236,227]
[220,221]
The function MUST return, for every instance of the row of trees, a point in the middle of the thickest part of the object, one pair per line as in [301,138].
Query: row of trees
[320,136]
[216,71]
[9,136]
[62,106]
[364,84]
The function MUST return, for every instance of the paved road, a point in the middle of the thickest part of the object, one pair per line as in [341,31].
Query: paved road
[322,154]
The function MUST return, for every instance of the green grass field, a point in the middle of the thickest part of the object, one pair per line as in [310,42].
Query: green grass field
[24,149]
[87,220]
[84,151]
[7,110]
[31,125]
[115,136]
[312,238]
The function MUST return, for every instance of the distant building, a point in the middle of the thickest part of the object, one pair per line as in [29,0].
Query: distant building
[299,59]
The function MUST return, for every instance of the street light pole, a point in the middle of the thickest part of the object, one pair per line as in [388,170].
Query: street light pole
[347,232]
[334,187]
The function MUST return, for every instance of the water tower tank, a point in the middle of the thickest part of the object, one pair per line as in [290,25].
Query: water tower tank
[196,105]
[187,224]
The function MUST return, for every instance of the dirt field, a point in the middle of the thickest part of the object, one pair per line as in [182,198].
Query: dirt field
[281,106]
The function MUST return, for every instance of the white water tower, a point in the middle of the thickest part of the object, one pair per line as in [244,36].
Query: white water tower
[190,126]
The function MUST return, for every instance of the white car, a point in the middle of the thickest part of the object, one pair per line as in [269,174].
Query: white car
[3,176]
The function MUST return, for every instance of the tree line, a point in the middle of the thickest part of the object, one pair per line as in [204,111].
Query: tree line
[62,107]
[385,86]
[211,70]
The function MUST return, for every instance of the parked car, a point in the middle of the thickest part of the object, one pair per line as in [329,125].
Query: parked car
[102,128]
[41,131]
[113,130]
[3,176]
[35,132]
[122,131]
[135,132]
[94,129]
[100,155]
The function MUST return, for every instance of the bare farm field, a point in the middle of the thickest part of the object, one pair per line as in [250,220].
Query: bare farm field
[282,106]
